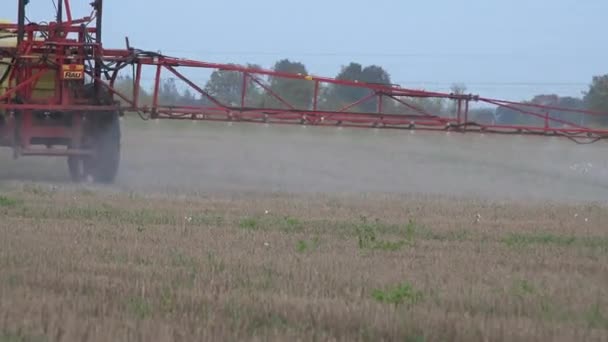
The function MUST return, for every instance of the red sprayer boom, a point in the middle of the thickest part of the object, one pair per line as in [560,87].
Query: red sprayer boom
[58,97]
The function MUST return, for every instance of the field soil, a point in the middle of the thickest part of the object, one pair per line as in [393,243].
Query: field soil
[230,233]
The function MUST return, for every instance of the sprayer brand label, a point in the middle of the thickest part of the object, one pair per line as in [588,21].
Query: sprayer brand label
[73,72]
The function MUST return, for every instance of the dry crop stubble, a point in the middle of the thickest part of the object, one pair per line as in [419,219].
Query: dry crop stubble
[102,265]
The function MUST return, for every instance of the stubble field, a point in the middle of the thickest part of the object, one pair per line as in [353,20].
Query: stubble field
[231,233]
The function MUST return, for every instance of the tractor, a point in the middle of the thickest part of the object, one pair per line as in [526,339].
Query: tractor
[55,106]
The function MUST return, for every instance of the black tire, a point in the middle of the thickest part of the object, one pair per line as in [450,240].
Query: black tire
[106,159]
[103,136]
[78,172]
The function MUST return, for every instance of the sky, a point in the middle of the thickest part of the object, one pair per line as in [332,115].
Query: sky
[508,49]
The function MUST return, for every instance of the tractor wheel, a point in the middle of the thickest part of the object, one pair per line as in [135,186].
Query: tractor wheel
[106,159]
[103,137]
[78,168]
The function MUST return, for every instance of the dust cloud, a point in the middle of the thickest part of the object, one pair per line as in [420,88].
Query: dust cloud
[204,157]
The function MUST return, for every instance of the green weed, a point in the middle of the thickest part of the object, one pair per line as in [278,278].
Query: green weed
[250,224]
[19,336]
[522,240]
[390,246]
[140,307]
[302,246]
[167,301]
[367,237]
[366,234]
[291,224]
[307,245]
[410,230]
[401,294]
[523,288]
[7,202]
[600,243]
[595,318]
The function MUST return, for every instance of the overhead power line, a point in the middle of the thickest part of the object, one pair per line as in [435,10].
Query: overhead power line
[354,54]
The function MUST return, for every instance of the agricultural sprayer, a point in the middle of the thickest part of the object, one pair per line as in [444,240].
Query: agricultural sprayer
[58,97]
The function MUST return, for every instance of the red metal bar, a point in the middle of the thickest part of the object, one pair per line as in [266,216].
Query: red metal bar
[419,110]
[68,12]
[122,55]
[315,101]
[33,27]
[459,113]
[356,103]
[111,89]
[136,86]
[244,90]
[194,86]
[58,107]
[536,114]
[271,92]
[466,114]
[24,125]
[539,106]
[50,131]
[156,87]
[55,152]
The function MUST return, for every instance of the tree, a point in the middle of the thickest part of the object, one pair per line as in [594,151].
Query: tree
[168,94]
[296,92]
[339,95]
[188,99]
[227,87]
[124,85]
[482,116]
[563,102]
[596,98]
[571,103]
[510,116]
[456,89]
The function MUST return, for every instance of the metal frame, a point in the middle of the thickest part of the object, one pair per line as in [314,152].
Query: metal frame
[73,42]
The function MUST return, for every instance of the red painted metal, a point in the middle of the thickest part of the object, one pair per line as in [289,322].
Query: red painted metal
[75,42]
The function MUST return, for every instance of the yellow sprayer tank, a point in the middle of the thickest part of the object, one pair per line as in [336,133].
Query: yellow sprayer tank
[7,39]
[46,84]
